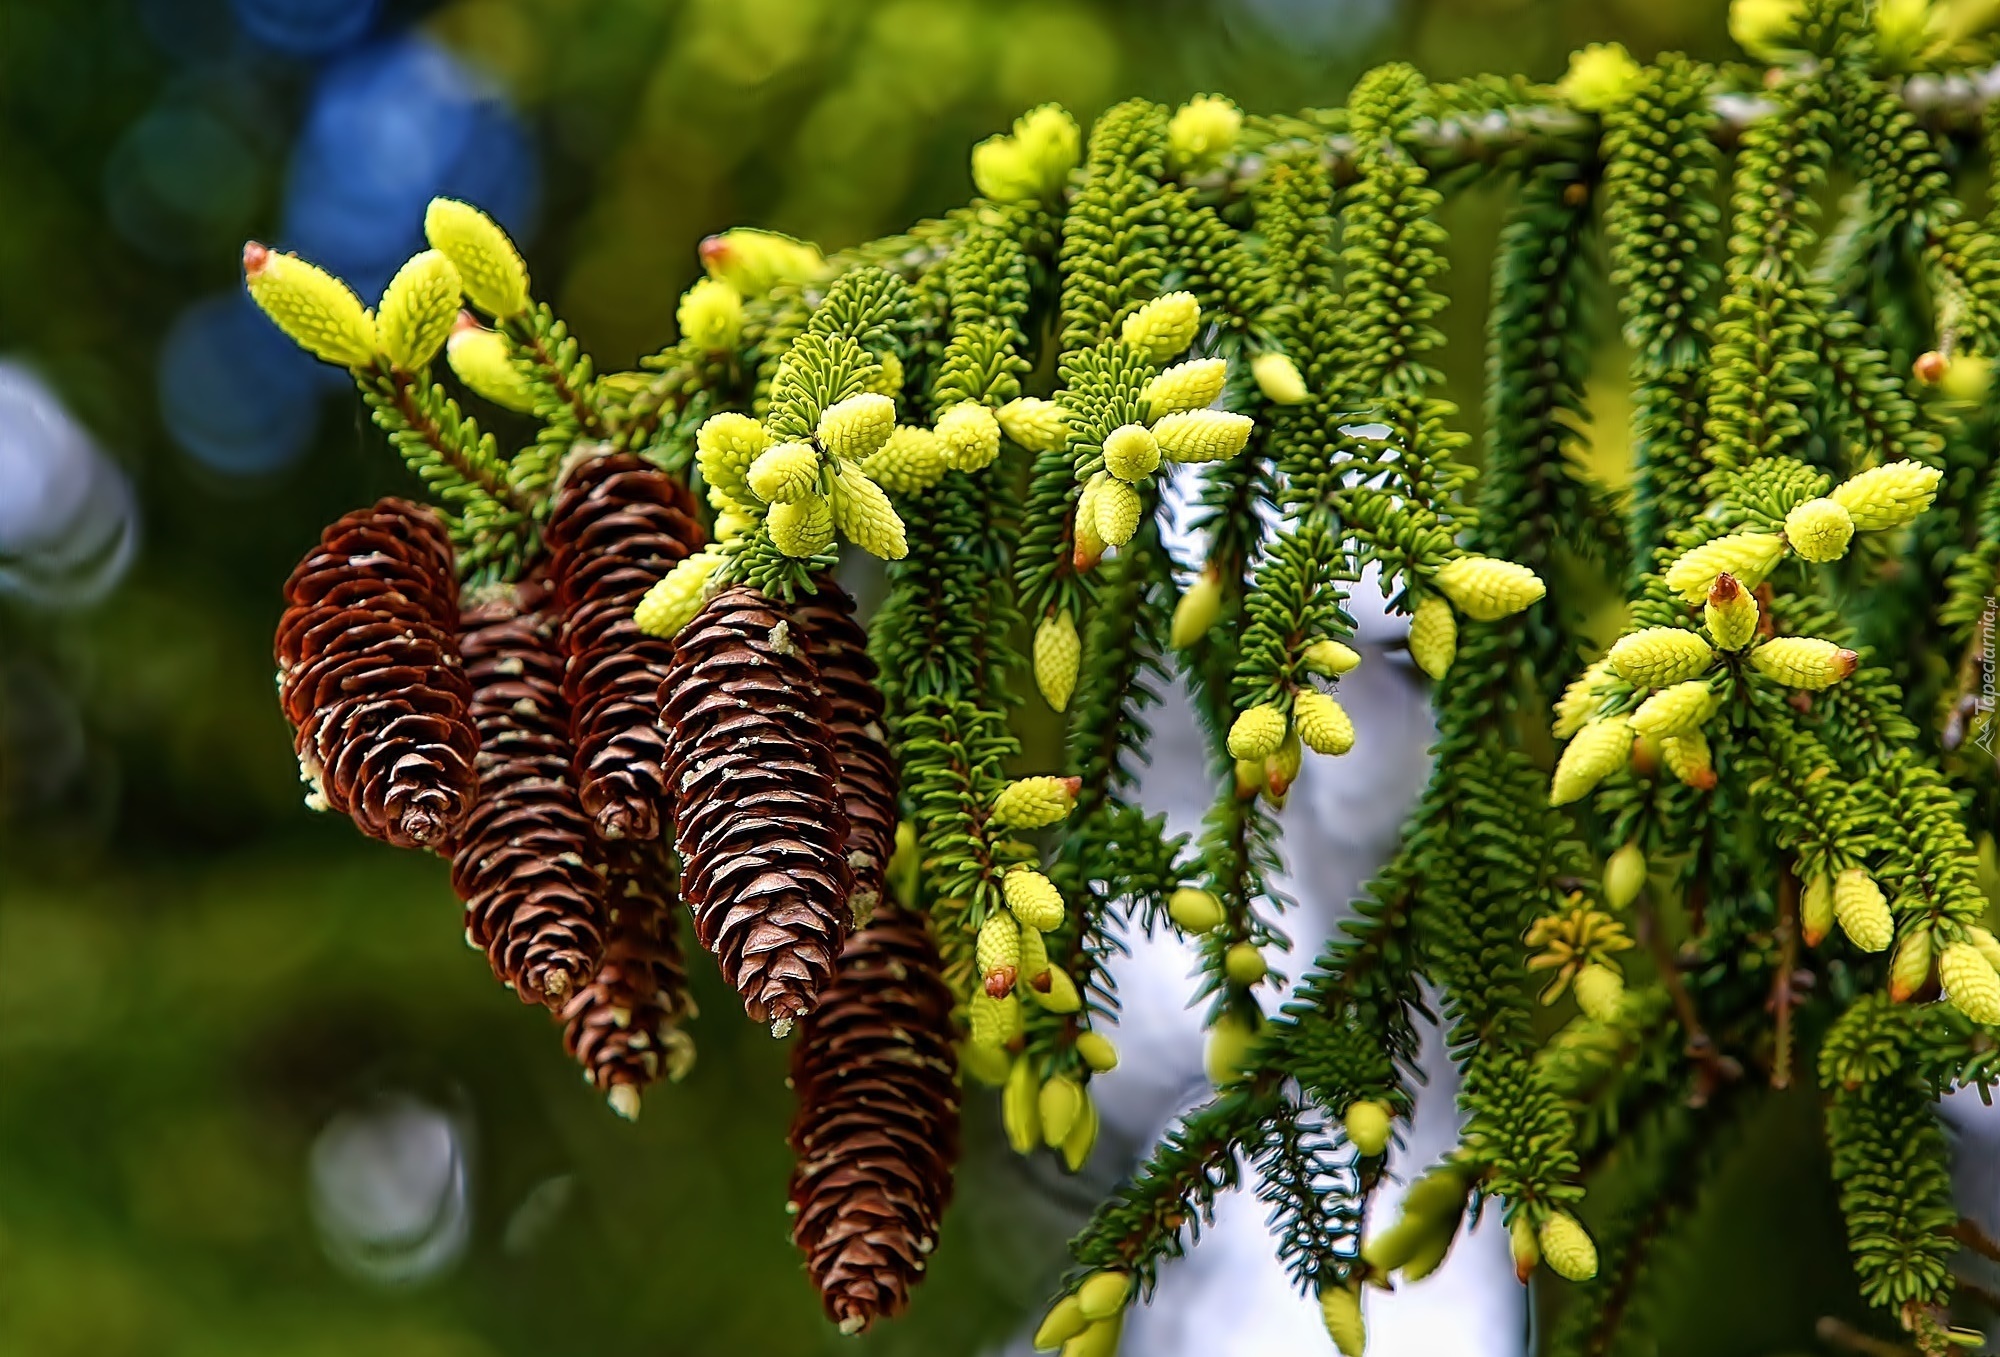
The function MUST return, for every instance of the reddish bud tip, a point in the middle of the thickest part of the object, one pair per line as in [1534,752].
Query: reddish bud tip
[255,257]
[1724,590]
[1929,367]
[1702,780]
[1524,1268]
[1073,784]
[1844,661]
[1085,560]
[1000,982]
[1042,982]
[466,321]
[713,250]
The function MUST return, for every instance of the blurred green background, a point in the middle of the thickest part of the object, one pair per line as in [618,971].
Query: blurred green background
[199,980]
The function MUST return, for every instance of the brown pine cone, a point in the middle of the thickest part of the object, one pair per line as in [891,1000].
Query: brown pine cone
[624,1028]
[616,528]
[757,806]
[876,1134]
[370,678]
[839,647]
[527,865]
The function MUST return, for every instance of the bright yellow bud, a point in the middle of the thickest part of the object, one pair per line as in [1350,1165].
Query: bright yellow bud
[1567,1247]
[1192,385]
[1579,700]
[1196,611]
[1675,710]
[1888,496]
[1033,162]
[802,528]
[1163,326]
[1131,453]
[481,360]
[993,1022]
[1278,377]
[1034,960]
[1097,1052]
[419,308]
[724,447]
[1090,545]
[1766,29]
[1970,982]
[1524,1247]
[1033,423]
[1816,910]
[971,436]
[316,310]
[788,472]
[1600,77]
[753,261]
[1599,992]
[1655,657]
[1082,1138]
[856,429]
[1020,1111]
[1057,658]
[711,315]
[1731,613]
[1485,589]
[1749,556]
[1988,945]
[986,1064]
[887,378]
[1257,732]
[910,462]
[1195,911]
[1063,1322]
[1202,131]
[1061,1102]
[1368,1124]
[1031,802]
[1433,636]
[864,515]
[1624,876]
[1116,509]
[1862,911]
[1330,659]
[1910,967]
[489,267]
[998,947]
[1104,1294]
[1597,751]
[1803,662]
[673,602]
[1230,1043]
[1202,435]
[1033,897]
[1688,758]
[1819,529]
[1244,964]
[1322,723]
[1967,376]
[1340,1311]
[1061,994]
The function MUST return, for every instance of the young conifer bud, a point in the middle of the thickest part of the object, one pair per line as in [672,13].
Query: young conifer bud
[1192,385]
[1104,1294]
[1600,77]
[1524,1247]
[1749,556]
[1803,662]
[1910,968]
[479,358]
[316,310]
[1888,496]
[855,429]
[1059,1103]
[1966,378]
[1595,753]
[1579,700]
[1281,767]
[1195,911]
[1688,758]
[888,376]
[1244,964]
[985,1064]
[1202,435]
[1433,636]
[910,462]
[1196,611]
[673,602]
[1020,1109]
[1368,1124]
[1816,909]
[724,448]
[1862,912]
[1278,377]
[1202,131]
[1731,613]
[1970,982]
[1097,1052]
[1031,802]
[710,315]
[970,434]
[864,515]
[1988,945]
[993,1022]
[1257,732]
[1330,659]
[1033,423]
[1163,326]
[1599,992]
[1677,709]
[1090,545]
[1819,529]
[999,945]
[785,473]
[1035,962]
[1567,1247]
[1061,994]
[418,310]
[1131,453]
[1929,367]
[1655,657]
[1340,1312]
[1033,162]
[1322,723]
[1624,876]
[1230,1043]
[1063,1322]
[1485,589]
[1081,1140]
[1033,897]
[802,528]
[1117,509]
[754,261]
[1057,658]
[489,267]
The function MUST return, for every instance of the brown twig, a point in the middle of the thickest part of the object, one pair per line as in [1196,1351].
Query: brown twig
[1716,1068]
[1781,986]
[1976,1292]
[1840,1334]
[1969,1233]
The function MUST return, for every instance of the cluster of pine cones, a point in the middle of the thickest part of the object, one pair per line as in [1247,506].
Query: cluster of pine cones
[532,733]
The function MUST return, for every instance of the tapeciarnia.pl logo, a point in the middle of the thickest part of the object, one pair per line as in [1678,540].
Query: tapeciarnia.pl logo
[1989,630]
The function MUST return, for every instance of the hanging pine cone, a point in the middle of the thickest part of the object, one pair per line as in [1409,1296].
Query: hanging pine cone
[876,1134]
[616,527]
[758,814]
[839,647]
[527,865]
[624,1027]
[369,675]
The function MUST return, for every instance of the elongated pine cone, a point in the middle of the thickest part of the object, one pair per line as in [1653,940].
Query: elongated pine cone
[528,864]
[616,527]
[370,678]
[839,647]
[624,1028]
[757,807]
[876,1134]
